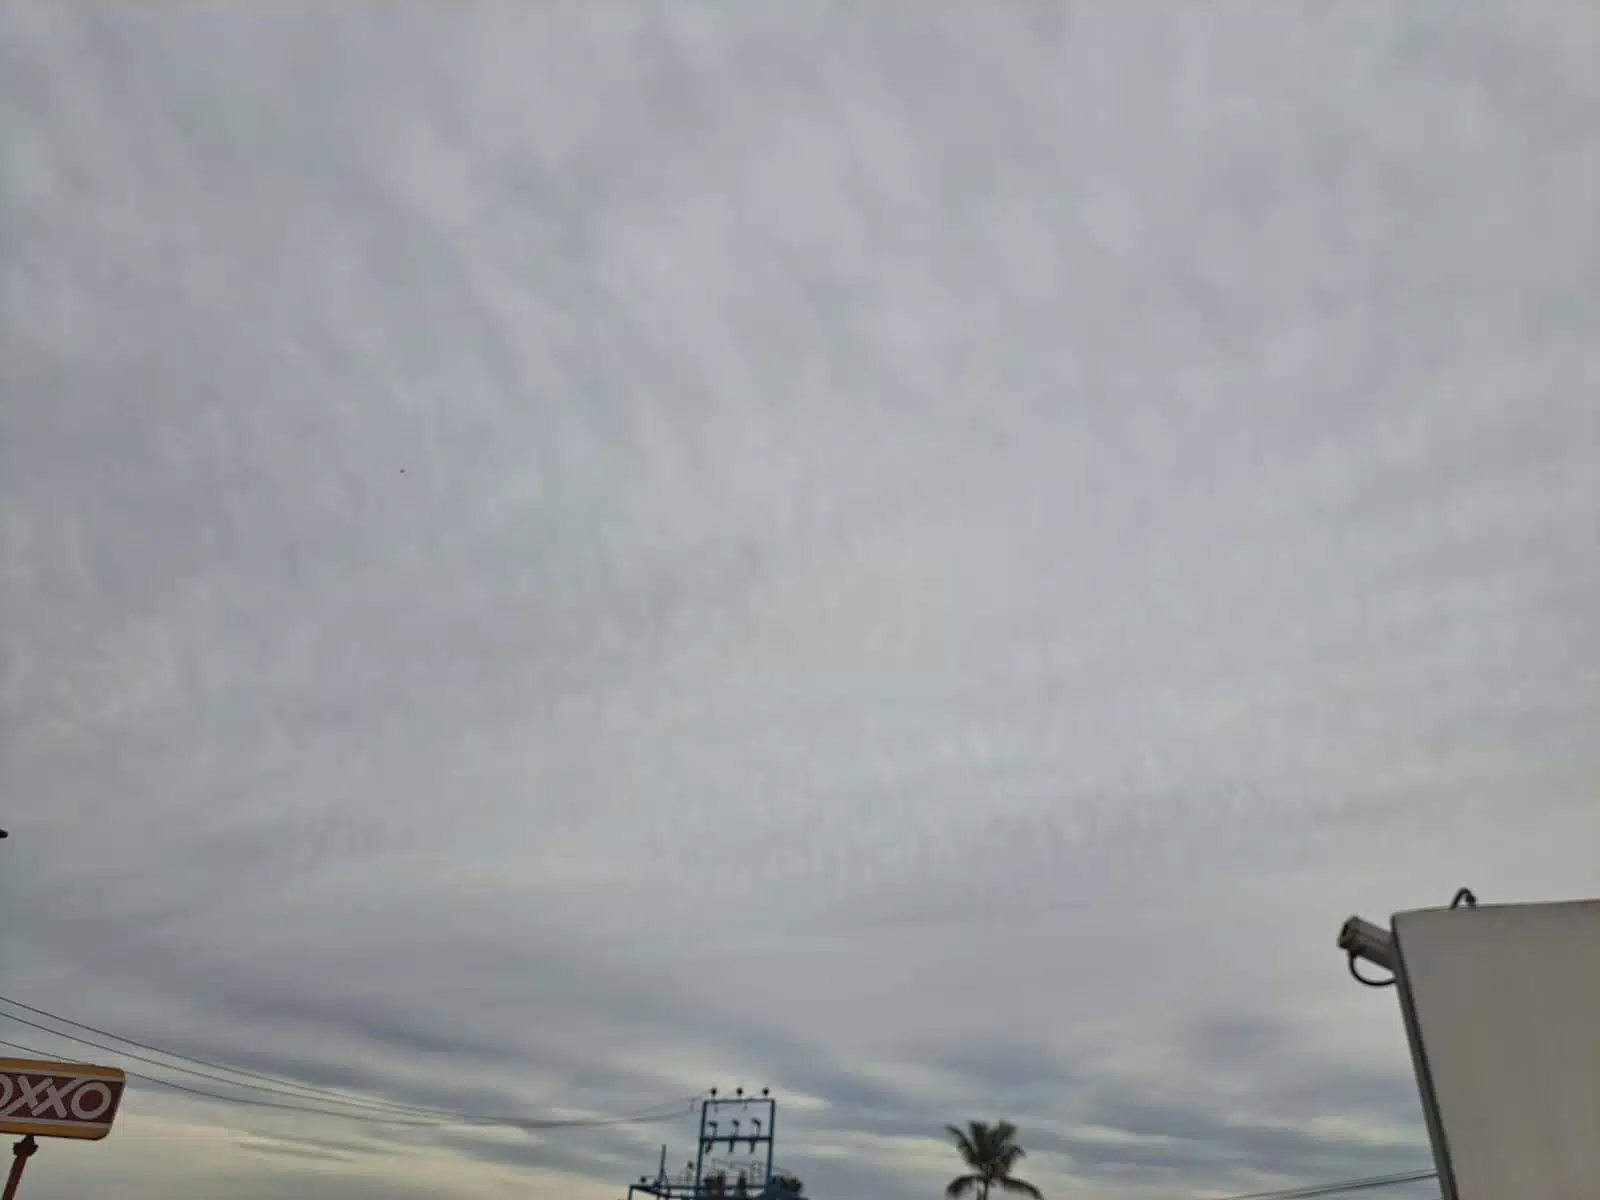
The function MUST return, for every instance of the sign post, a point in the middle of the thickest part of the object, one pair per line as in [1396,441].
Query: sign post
[54,1099]
[21,1153]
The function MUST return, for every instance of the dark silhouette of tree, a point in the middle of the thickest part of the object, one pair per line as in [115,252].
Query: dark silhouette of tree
[989,1152]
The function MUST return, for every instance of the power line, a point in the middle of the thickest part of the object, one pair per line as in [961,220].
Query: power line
[435,1116]
[313,1091]
[576,1123]
[1342,1188]
[193,1091]
[1312,1191]
[439,1114]
[254,1087]
[327,1094]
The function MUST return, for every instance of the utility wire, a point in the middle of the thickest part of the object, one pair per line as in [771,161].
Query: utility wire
[326,1095]
[439,1115]
[253,1087]
[1339,1189]
[193,1091]
[584,1123]
[435,1116]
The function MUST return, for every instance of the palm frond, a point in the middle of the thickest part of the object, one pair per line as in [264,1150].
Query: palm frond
[990,1153]
[986,1142]
[1019,1185]
[965,1145]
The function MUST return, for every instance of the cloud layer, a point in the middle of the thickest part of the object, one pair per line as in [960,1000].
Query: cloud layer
[920,556]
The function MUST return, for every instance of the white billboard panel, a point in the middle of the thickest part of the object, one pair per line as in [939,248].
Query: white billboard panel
[1502,1005]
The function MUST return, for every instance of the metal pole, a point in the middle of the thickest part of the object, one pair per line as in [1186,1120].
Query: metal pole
[21,1153]
[772,1139]
[700,1148]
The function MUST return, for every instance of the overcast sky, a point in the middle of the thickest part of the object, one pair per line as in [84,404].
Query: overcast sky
[556,555]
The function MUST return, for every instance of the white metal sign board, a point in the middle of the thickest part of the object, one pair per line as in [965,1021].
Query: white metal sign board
[1502,1007]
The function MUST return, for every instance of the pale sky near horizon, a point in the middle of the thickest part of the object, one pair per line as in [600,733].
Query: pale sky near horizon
[923,556]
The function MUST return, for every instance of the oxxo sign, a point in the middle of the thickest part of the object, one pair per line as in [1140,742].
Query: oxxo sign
[56,1099]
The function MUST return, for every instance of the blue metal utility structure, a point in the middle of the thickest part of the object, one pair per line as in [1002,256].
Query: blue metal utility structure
[733,1153]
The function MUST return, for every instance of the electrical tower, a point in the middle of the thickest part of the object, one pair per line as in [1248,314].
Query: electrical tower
[733,1153]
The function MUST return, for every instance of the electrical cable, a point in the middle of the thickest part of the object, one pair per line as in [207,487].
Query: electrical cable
[441,1114]
[253,1087]
[583,1123]
[325,1094]
[1338,1189]
[1364,981]
[311,1091]
[193,1091]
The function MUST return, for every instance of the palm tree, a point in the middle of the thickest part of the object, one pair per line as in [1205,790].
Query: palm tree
[990,1152]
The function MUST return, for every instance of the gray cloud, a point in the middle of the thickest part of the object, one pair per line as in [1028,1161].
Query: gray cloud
[921,557]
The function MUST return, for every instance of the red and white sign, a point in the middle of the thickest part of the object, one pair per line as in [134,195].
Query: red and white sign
[57,1099]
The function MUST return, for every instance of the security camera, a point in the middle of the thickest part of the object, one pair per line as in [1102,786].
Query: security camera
[1363,939]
